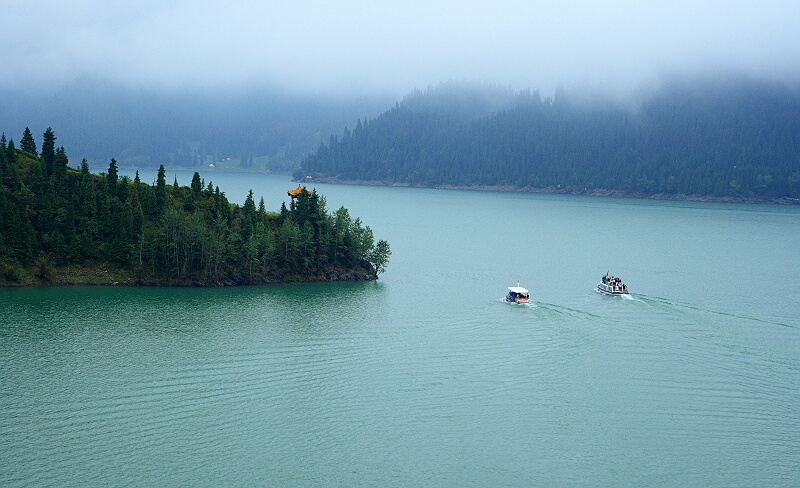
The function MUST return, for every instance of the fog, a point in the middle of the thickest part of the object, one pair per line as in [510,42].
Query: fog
[359,47]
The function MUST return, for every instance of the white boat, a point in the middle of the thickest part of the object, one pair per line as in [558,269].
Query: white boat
[517,294]
[612,285]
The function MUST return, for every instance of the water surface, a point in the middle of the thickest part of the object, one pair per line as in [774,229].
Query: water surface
[426,378]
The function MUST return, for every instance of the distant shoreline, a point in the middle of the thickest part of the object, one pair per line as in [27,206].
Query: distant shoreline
[566,191]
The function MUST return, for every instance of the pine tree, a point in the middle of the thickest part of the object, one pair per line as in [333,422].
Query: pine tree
[60,164]
[10,178]
[161,187]
[248,215]
[112,177]
[87,200]
[197,185]
[49,151]
[27,143]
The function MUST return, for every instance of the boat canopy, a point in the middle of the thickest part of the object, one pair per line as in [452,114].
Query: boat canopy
[518,289]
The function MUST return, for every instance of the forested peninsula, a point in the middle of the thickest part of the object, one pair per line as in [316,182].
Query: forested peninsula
[729,139]
[65,226]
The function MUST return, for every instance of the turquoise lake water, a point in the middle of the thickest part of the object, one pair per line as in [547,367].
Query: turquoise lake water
[426,377]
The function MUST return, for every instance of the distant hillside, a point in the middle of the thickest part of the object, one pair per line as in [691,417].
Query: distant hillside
[730,138]
[254,129]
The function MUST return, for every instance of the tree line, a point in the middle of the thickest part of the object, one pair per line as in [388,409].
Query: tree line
[723,138]
[53,216]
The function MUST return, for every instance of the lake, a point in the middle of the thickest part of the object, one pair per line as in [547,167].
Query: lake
[426,377]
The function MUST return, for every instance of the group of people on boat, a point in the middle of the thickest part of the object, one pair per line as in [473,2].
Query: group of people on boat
[517,294]
[516,297]
[614,282]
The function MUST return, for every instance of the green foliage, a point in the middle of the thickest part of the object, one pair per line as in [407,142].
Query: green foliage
[49,150]
[160,234]
[112,177]
[379,257]
[27,143]
[197,184]
[10,272]
[44,272]
[161,187]
[732,138]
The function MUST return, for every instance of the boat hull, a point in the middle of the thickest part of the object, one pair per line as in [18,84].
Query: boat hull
[610,290]
[519,300]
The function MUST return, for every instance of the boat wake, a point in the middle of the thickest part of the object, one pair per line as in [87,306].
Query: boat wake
[517,304]
[685,306]
[561,310]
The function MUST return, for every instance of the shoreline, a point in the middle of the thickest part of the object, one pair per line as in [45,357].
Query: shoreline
[565,191]
[106,274]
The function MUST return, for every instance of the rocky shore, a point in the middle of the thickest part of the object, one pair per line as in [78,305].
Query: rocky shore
[104,274]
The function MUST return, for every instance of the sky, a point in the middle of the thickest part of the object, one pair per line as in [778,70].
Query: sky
[360,47]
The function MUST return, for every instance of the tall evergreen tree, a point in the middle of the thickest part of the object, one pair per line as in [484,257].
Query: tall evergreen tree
[87,200]
[197,185]
[27,143]
[248,215]
[112,177]
[48,150]
[11,156]
[60,163]
[161,187]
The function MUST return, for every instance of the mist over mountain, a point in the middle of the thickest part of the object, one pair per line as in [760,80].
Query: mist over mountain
[262,128]
[725,137]
[259,85]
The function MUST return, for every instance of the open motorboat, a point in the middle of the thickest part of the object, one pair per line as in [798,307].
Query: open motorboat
[517,294]
[612,285]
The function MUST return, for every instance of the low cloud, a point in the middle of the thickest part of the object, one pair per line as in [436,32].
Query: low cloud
[359,46]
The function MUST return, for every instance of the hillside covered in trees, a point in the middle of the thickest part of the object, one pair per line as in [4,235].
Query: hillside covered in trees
[60,225]
[727,139]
